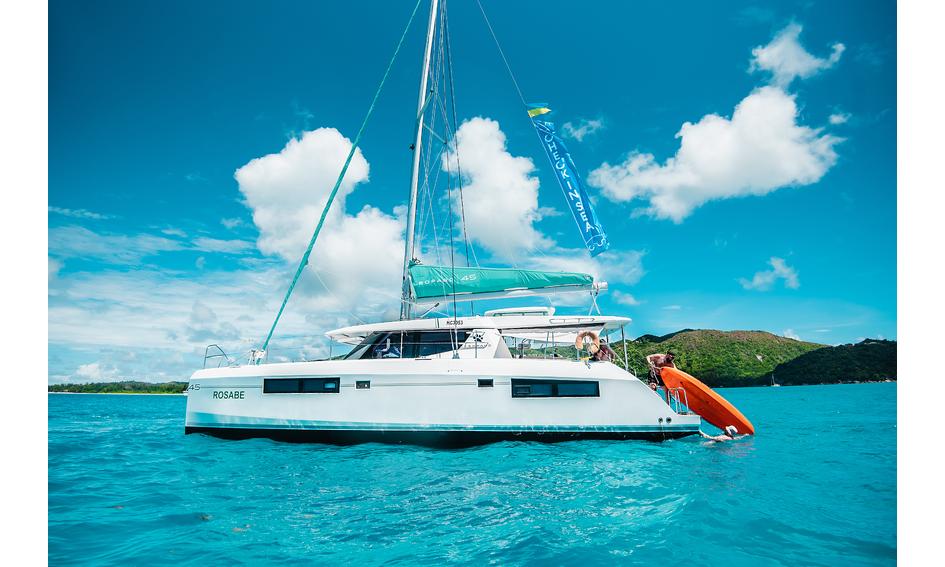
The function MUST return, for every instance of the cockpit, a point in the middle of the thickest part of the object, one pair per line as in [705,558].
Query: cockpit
[507,334]
[408,344]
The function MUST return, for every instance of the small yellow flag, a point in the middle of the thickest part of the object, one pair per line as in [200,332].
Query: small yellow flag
[538,111]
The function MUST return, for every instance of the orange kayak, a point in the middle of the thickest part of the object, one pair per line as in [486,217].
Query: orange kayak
[704,401]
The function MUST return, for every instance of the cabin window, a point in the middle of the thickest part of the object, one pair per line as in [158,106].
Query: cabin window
[359,351]
[387,345]
[363,384]
[485,382]
[321,385]
[429,343]
[577,389]
[301,385]
[410,344]
[530,388]
[280,385]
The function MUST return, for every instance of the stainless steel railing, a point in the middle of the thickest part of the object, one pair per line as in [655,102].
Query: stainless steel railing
[677,400]
[218,353]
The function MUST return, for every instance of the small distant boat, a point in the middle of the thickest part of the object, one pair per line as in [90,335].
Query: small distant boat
[773,383]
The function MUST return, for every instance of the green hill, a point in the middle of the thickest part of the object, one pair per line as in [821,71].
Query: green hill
[719,358]
[748,358]
[867,361]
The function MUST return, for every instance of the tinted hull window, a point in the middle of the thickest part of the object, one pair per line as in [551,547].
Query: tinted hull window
[320,385]
[280,385]
[301,385]
[529,388]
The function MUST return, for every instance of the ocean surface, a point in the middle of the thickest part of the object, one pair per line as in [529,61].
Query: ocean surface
[816,486]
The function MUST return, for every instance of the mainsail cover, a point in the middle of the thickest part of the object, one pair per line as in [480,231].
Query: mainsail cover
[430,284]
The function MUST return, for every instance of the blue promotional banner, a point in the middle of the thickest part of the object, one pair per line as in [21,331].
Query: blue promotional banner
[575,194]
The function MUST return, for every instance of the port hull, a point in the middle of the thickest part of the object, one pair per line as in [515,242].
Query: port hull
[430,402]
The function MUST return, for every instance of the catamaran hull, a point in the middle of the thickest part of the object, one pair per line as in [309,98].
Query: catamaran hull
[447,439]
[453,403]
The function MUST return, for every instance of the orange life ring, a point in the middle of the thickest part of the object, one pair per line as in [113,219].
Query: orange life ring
[595,341]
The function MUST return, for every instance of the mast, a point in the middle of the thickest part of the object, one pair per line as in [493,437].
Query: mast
[415,171]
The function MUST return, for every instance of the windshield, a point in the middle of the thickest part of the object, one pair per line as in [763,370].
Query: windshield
[409,344]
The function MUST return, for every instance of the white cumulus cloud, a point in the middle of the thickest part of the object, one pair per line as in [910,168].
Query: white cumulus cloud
[174,231]
[231,223]
[74,241]
[500,191]
[790,334]
[207,244]
[582,129]
[613,266]
[79,213]
[786,59]
[287,192]
[624,298]
[54,267]
[765,279]
[760,149]
[95,372]
[839,118]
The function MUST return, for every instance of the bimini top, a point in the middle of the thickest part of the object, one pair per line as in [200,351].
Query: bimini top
[541,328]
[433,284]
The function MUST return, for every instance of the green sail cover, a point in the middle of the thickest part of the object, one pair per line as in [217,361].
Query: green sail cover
[434,282]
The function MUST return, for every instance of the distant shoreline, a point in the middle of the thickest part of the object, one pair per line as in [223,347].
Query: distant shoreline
[119,393]
[893,380]
[717,387]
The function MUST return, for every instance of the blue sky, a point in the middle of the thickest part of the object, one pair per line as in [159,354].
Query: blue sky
[760,220]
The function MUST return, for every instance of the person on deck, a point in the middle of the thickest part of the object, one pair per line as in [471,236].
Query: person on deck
[602,353]
[386,350]
[731,434]
[657,361]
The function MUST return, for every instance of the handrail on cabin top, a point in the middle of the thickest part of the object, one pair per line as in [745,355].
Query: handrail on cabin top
[207,356]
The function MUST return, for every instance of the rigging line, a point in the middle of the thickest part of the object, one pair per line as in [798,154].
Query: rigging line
[432,216]
[438,105]
[335,297]
[344,169]
[459,171]
[425,187]
[450,134]
[427,190]
[502,53]
[434,75]
[449,188]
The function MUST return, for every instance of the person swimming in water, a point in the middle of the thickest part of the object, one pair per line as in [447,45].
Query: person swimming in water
[731,434]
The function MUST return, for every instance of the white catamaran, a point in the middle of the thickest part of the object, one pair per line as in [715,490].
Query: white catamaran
[452,380]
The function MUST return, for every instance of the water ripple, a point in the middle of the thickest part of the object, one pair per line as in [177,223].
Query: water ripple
[125,486]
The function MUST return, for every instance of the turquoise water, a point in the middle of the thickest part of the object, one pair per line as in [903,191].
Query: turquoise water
[816,486]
